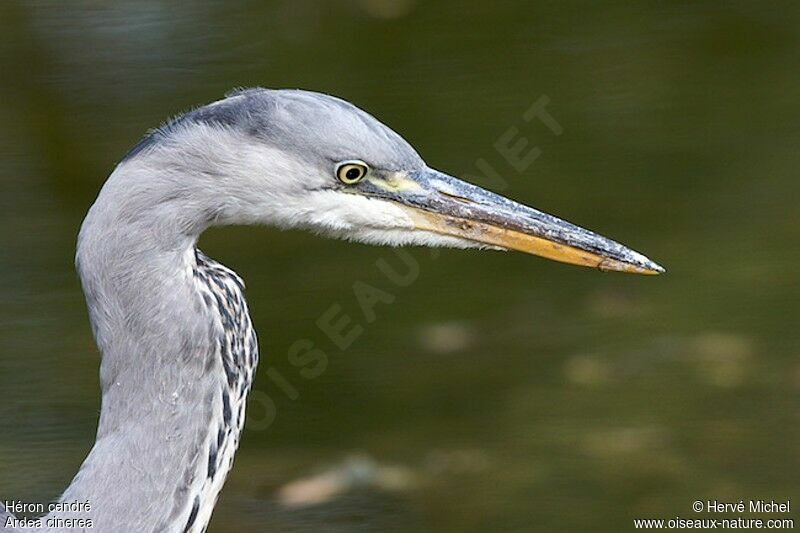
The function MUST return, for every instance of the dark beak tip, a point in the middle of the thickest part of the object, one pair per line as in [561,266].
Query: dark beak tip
[632,261]
[653,268]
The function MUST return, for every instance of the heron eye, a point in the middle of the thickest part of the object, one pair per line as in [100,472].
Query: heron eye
[351,172]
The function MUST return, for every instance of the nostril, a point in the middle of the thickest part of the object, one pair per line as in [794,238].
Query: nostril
[455,197]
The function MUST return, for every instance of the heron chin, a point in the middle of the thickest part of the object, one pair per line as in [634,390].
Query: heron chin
[179,352]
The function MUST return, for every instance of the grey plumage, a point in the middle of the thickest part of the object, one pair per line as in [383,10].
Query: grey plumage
[223,353]
[311,125]
[5,518]
[178,348]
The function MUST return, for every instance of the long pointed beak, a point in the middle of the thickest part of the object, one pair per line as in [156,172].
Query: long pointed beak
[445,205]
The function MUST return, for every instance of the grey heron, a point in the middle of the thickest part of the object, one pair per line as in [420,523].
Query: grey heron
[179,351]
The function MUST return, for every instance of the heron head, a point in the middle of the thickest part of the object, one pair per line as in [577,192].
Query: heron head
[301,159]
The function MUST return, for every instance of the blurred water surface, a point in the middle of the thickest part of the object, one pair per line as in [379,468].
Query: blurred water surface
[498,391]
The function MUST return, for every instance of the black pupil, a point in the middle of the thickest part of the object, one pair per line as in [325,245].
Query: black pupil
[353,173]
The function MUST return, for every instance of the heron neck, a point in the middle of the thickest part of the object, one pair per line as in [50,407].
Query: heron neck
[159,376]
